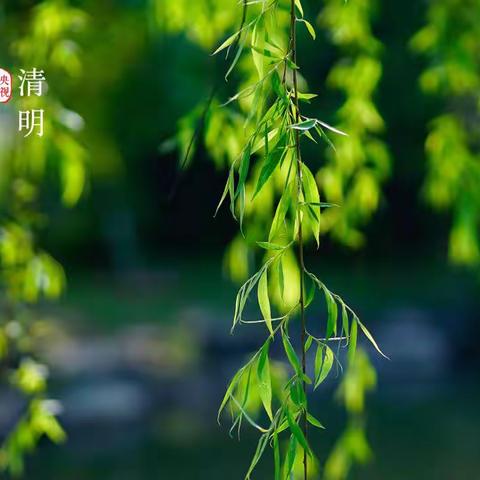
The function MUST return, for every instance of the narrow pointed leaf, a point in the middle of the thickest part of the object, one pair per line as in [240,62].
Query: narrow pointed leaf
[333,129]
[281,278]
[229,187]
[264,380]
[352,345]
[271,246]
[310,28]
[291,455]
[227,43]
[323,363]
[297,432]
[305,125]
[262,443]
[298,4]
[281,212]
[264,301]
[332,310]
[370,337]
[312,196]
[313,421]
[228,393]
[270,163]
[276,456]
[291,355]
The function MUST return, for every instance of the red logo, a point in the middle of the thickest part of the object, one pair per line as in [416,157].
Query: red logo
[5,86]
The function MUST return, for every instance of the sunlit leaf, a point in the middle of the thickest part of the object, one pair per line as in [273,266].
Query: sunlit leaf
[291,355]
[333,129]
[227,42]
[297,432]
[313,421]
[281,212]
[312,197]
[305,125]
[310,28]
[264,301]
[323,363]
[332,310]
[264,380]
[270,163]
[271,246]
[352,345]
[370,337]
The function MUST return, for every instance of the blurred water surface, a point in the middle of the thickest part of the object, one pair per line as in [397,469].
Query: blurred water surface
[140,363]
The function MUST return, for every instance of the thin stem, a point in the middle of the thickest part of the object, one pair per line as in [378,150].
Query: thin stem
[293,50]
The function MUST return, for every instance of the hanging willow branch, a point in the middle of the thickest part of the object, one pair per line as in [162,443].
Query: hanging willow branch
[270,153]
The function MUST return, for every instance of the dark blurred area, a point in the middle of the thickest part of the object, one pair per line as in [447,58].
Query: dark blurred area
[139,346]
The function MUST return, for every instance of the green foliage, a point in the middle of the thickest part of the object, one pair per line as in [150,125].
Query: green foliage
[352,447]
[40,420]
[449,41]
[27,273]
[356,170]
[271,156]
[212,19]
[352,178]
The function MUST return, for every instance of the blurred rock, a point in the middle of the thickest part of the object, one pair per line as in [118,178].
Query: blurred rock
[417,347]
[106,400]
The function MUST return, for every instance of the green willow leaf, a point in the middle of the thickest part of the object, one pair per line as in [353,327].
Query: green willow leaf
[276,456]
[270,163]
[229,41]
[310,28]
[305,125]
[279,89]
[233,383]
[262,443]
[264,301]
[333,129]
[283,425]
[344,320]
[229,187]
[308,343]
[265,52]
[310,295]
[352,345]
[332,310]
[291,355]
[281,212]
[298,4]
[261,142]
[241,207]
[297,432]
[244,166]
[312,197]
[241,44]
[258,42]
[281,278]
[306,96]
[264,380]
[271,246]
[291,455]
[297,394]
[313,421]
[370,337]
[247,416]
[320,204]
[323,363]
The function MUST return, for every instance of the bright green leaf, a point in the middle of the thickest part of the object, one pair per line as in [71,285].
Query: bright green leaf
[264,380]
[227,42]
[264,301]
[323,363]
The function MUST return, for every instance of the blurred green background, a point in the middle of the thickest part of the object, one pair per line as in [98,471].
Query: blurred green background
[138,343]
